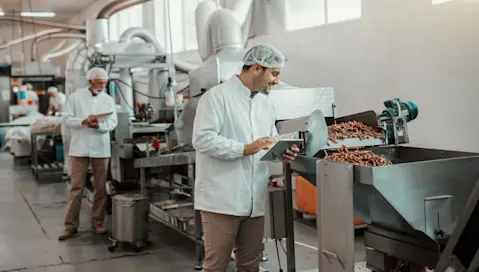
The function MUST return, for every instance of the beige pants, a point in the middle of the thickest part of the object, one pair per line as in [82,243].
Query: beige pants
[79,173]
[222,233]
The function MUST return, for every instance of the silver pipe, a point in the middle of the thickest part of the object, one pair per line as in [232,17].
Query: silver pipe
[59,53]
[42,22]
[59,35]
[31,37]
[147,36]
[57,47]
[107,11]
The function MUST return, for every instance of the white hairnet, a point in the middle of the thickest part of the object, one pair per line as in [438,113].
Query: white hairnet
[52,89]
[29,86]
[97,73]
[265,55]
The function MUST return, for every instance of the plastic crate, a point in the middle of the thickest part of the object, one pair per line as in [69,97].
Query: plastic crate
[306,198]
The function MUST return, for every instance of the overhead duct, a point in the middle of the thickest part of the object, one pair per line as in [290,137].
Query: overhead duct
[76,69]
[42,22]
[219,28]
[31,37]
[99,27]
[147,36]
[60,35]
[202,13]
[62,52]
[107,11]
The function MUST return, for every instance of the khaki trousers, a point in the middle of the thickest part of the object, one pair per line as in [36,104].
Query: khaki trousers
[79,174]
[222,233]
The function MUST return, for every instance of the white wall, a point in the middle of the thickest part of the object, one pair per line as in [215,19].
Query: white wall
[409,49]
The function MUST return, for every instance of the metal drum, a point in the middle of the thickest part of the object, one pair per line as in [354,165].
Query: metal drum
[129,220]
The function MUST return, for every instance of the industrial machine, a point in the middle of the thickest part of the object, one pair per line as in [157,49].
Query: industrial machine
[420,210]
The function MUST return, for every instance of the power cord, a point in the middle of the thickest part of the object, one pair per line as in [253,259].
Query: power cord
[136,91]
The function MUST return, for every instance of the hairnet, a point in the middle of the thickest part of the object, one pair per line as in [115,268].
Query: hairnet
[97,73]
[265,55]
[29,86]
[52,89]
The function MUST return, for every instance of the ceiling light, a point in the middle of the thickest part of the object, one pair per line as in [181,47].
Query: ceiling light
[37,14]
[2,13]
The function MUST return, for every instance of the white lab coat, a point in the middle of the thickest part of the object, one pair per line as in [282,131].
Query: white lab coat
[89,142]
[58,100]
[227,119]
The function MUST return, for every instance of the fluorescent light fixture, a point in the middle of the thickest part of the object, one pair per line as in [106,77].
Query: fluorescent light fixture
[2,13]
[37,14]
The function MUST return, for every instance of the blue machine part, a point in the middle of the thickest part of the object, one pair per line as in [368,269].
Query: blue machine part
[392,109]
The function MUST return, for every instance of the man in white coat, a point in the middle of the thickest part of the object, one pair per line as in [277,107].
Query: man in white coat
[90,143]
[234,123]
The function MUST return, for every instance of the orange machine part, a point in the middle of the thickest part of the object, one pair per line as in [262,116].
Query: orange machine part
[306,198]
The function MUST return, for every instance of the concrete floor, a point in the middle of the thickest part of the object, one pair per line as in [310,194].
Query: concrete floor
[31,218]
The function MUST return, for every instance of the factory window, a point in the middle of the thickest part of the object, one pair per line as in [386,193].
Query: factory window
[183,31]
[311,13]
[124,19]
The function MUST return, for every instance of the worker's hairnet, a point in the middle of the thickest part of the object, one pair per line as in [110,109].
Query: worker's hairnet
[97,73]
[29,86]
[52,89]
[265,55]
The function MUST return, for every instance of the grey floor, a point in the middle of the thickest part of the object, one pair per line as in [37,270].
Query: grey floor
[31,218]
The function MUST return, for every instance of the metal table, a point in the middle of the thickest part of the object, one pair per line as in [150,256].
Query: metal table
[158,214]
[45,168]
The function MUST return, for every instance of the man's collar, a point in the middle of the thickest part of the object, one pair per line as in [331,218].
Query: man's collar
[243,87]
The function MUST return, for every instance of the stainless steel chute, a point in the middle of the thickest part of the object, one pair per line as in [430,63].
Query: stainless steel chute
[412,207]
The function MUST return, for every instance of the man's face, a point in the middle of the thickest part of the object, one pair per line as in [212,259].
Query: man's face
[265,78]
[51,94]
[97,84]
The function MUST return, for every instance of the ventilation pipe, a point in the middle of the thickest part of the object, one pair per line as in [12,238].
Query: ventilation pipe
[57,47]
[101,25]
[62,52]
[76,69]
[147,36]
[107,11]
[202,13]
[41,22]
[31,37]
[60,35]
[219,28]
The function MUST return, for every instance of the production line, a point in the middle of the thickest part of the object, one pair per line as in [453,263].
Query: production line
[158,153]
[419,206]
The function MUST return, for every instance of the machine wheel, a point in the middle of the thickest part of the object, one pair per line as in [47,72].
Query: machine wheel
[112,246]
[138,247]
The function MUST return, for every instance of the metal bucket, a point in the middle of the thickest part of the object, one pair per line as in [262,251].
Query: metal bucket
[130,218]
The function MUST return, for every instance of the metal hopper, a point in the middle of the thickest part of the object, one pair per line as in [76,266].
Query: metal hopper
[418,210]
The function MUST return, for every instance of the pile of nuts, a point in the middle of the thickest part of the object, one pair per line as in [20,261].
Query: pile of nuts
[365,157]
[352,129]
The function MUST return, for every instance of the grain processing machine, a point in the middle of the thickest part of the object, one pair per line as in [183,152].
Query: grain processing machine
[421,211]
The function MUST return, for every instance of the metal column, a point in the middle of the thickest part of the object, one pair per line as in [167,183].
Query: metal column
[288,208]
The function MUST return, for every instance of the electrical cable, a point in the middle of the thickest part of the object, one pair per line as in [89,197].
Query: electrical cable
[123,96]
[136,91]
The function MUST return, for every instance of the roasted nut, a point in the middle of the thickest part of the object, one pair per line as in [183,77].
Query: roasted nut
[364,157]
[352,129]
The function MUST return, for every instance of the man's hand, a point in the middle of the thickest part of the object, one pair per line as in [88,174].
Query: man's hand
[90,124]
[92,119]
[290,154]
[258,145]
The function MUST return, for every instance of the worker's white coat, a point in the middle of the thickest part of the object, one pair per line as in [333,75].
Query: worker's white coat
[227,119]
[89,142]
[58,100]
